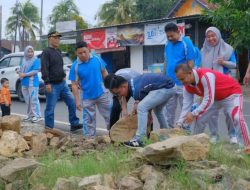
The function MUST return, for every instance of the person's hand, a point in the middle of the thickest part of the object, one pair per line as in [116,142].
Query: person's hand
[78,105]
[7,104]
[220,61]
[48,88]
[189,118]
[124,113]
[21,75]
[134,110]
[246,78]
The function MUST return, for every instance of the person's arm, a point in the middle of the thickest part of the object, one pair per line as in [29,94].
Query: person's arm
[190,57]
[187,105]
[247,76]
[197,57]
[104,73]
[45,70]
[230,64]
[165,60]
[75,91]
[124,106]
[208,83]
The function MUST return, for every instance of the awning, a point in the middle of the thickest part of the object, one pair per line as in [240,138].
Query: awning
[106,50]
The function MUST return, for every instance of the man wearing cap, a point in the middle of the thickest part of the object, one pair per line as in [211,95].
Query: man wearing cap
[54,78]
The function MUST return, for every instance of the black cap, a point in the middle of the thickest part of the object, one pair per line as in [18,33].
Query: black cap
[54,34]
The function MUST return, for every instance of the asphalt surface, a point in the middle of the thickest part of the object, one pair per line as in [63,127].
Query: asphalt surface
[61,116]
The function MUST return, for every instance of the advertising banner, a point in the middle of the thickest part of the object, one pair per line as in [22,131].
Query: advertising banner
[94,38]
[130,36]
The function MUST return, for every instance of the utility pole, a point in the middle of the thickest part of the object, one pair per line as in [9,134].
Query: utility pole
[0,31]
[41,26]
[17,7]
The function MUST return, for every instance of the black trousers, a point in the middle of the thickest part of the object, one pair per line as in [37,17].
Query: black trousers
[115,111]
[5,110]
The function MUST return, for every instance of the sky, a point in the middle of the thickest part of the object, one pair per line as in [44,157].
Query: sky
[88,10]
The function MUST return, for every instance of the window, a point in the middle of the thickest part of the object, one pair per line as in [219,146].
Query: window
[15,61]
[4,63]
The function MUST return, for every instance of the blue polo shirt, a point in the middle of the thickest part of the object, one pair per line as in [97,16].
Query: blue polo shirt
[233,59]
[177,53]
[31,80]
[90,76]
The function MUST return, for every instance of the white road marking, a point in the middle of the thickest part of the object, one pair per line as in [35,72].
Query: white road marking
[59,122]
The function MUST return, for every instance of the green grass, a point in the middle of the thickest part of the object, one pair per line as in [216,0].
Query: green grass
[111,160]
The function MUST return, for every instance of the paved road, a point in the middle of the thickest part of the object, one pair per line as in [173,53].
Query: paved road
[61,115]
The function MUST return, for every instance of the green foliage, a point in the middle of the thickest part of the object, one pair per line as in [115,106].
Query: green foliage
[70,49]
[25,16]
[116,12]
[111,160]
[233,16]
[66,10]
[152,9]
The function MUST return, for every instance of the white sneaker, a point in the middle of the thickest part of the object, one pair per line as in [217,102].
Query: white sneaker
[27,118]
[233,140]
[36,119]
[213,139]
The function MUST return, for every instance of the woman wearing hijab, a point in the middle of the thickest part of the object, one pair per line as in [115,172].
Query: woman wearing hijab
[29,68]
[216,54]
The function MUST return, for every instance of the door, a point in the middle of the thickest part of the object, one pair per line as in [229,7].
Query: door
[10,72]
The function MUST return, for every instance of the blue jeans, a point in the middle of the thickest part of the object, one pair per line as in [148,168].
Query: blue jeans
[60,90]
[156,100]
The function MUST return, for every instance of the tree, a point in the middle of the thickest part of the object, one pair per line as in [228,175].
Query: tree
[116,12]
[66,10]
[234,16]
[25,19]
[152,9]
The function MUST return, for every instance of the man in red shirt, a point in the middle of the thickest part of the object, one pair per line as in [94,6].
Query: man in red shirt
[217,90]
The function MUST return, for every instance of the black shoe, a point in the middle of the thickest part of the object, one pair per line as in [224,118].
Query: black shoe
[75,127]
[133,144]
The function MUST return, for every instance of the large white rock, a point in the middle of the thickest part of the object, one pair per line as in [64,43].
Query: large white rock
[18,169]
[182,147]
[12,144]
[11,122]
[39,144]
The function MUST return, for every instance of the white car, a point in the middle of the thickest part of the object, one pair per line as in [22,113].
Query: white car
[10,63]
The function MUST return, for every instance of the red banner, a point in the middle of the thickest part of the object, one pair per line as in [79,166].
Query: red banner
[95,38]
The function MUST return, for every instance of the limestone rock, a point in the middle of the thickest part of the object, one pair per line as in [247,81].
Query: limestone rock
[54,141]
[124,129]
[12,144]
[150,176]
[18,169]
[163,134]
[16,185]
[40,187]
[1,132]
[39,144]
[64,184]
[102,139]
[109,181]
[28,136]
[11,122]
[130,183]
[182,147]
[89,181]
[99,187]
[242,184]
[215,174]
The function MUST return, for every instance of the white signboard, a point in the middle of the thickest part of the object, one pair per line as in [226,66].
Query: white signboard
[155,33]
[66,26]
[68,41]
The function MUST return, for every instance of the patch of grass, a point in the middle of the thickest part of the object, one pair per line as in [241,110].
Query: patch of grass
[111,160]
[227,154]
[180,178]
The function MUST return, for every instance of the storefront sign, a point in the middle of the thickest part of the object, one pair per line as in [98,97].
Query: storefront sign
[130,36]
[94,38]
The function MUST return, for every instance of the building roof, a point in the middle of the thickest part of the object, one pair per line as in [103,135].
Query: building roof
[203,3]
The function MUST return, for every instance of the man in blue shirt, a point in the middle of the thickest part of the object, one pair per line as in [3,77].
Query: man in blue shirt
[88,72]
[178,49]
[152,91]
